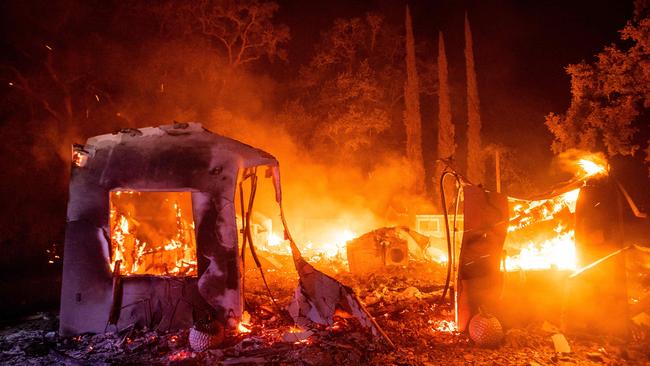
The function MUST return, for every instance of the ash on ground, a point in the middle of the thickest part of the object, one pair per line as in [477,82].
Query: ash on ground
[403,300]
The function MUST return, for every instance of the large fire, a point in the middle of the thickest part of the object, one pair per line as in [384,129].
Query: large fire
[152,233]
[330,245]
[542,230]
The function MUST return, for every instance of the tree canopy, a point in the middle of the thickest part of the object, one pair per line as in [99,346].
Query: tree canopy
[610,98]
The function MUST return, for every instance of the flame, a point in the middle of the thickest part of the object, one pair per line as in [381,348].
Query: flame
[331,244]
[558,252]
[548,249]
[274,240]
[175,255]
[591,168]
[243,328]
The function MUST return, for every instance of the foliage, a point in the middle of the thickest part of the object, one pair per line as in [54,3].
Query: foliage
[412,114]
[351,91]
[349,82]
[610,98]
[446,134]
[242,31]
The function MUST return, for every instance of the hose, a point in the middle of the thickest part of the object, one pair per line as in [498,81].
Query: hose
[450,254]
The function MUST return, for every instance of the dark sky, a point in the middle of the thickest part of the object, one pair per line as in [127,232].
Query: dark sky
[521,50]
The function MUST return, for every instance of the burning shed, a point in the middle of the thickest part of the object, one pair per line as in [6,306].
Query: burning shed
[151,234]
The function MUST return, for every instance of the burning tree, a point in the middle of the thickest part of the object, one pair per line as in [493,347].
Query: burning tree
[610,98]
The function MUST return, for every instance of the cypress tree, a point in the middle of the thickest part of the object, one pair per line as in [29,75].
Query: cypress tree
[475,168]
[412,118]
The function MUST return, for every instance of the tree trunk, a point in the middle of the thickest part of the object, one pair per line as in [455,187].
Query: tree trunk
[412,119]
[475,166]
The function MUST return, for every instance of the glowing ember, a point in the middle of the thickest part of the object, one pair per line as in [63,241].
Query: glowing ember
[180,355]
[245,325]
[243,328]
[447,326]
[295,329]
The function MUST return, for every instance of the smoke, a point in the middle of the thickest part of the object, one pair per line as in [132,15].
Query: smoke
[322,196]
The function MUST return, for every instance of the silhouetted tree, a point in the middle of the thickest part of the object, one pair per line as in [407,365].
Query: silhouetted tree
[412,117]
[242,31]
[475,162]
[610,98]
[350,88]
[446,144]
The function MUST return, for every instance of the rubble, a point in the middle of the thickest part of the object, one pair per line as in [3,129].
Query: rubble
[418,326]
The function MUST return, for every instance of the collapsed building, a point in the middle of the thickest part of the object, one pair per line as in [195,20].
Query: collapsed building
[103,286]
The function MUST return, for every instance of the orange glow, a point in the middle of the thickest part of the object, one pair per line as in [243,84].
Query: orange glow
[542,248]
[79,158]
[558,252]
[592,168]
[531,222]
[330,244]
[295,329]
[243,328]
[152,233]
[447,326]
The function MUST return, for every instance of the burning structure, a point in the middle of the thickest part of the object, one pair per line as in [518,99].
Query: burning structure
[118,268]
[153,240]
[564,245]
[152,234]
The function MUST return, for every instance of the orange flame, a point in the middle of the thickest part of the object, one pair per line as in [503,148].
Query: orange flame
[592,168]
[243,328]
[551,249]
[175,255]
